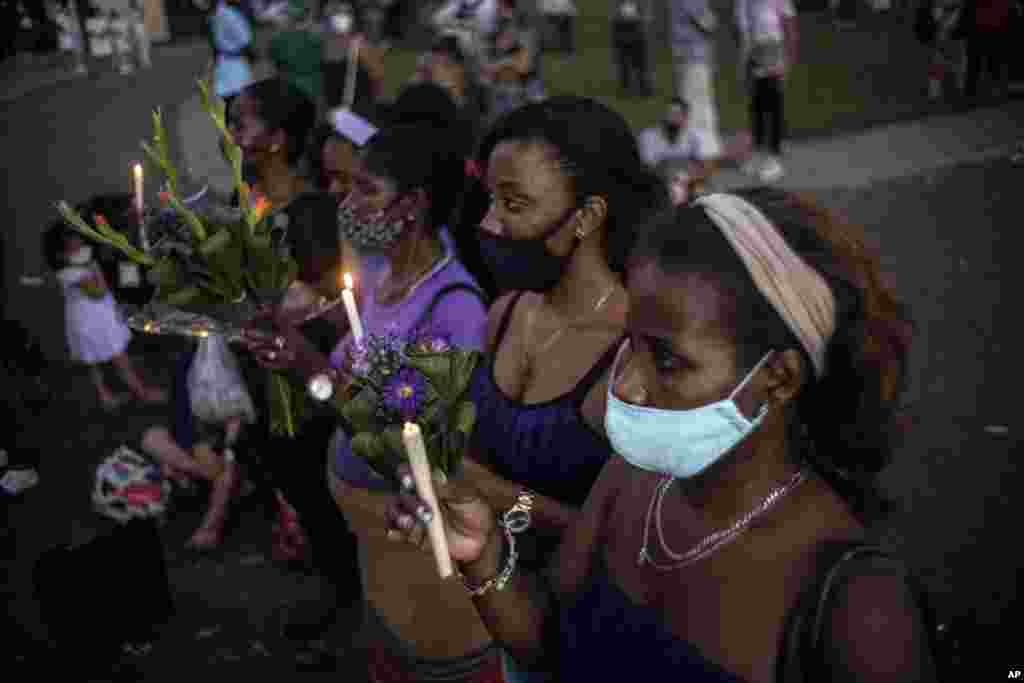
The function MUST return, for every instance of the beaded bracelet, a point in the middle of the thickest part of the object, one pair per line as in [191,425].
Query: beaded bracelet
[501,579]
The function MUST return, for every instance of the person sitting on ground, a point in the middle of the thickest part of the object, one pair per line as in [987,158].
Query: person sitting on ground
[206,426]
[673,144]
[750,412]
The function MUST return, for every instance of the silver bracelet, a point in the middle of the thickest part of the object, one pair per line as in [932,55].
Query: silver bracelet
[501,579]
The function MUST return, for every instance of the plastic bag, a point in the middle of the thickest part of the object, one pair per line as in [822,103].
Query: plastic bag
[215,386]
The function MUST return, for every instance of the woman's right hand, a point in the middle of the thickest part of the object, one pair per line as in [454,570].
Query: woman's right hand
[470,522]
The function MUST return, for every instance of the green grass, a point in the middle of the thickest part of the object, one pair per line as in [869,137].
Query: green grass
[844,80]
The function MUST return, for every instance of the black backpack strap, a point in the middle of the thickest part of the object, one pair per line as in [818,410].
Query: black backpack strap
[442,293]
[802,657]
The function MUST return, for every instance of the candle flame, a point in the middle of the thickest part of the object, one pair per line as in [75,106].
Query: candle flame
[138,170]
[348,281]
[411,428]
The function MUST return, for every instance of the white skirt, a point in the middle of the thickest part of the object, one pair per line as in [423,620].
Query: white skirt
[95,331]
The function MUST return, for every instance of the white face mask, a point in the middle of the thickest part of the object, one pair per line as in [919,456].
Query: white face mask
[677,443]
[81,257]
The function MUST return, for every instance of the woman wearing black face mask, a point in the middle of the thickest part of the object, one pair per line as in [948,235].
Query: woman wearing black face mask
[567,188]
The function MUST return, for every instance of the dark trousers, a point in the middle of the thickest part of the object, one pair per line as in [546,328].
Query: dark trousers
[632,63]
[298,468]
[766,114]
[989,51]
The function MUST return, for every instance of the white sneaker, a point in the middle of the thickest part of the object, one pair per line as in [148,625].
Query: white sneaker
[771,170]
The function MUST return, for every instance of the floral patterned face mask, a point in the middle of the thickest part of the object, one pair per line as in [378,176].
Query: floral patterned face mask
[375,231]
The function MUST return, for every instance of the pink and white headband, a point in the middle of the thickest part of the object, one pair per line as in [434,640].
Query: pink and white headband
[794,289]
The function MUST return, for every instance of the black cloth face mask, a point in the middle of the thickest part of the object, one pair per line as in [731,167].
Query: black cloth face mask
[525,264]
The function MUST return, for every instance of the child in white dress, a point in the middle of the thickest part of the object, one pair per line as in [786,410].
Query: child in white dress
[96,333]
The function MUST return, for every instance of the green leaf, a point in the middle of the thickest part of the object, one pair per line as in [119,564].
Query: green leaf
[378,454]
[216,244]
[437,368]
[182,296]
[359,412]
[464,418]
[392,437]
[464,363]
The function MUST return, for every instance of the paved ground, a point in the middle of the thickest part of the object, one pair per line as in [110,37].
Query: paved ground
[939,197]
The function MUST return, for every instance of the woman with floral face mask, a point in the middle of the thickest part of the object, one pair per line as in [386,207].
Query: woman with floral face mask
[404,187]
[752,407]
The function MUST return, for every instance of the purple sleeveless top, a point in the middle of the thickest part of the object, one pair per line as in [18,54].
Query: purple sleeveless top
[547,446]
[605,636]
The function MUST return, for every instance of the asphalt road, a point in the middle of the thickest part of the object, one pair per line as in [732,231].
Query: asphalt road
[949,238]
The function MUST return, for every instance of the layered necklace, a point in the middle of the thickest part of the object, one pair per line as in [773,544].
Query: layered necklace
[713,541]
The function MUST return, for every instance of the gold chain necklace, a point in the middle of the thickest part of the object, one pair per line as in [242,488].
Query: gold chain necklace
[713,541]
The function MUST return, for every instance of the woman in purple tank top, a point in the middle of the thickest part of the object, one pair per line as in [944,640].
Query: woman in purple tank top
[568,189]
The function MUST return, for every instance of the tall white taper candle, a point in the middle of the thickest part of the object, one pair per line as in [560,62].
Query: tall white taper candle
[413,439]
[350,308]
[139,206]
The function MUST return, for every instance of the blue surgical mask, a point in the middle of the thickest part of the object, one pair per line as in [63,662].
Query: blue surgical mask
[677,443]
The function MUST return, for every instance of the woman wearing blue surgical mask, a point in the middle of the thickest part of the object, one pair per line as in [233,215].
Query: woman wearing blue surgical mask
[752,406]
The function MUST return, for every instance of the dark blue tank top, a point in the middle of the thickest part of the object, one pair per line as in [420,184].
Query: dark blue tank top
[547,446]
[605,636]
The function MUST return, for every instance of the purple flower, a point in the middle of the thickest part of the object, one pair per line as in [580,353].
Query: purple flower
[404,391]
[359,354]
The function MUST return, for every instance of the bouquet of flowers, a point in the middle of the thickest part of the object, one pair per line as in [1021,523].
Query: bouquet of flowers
[212,276]
[423,380]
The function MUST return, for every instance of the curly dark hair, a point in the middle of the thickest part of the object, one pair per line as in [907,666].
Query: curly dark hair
[598,151]
[844,423]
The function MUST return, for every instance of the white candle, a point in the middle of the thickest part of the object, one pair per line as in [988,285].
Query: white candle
[139,204]
[412,437]
[350,307]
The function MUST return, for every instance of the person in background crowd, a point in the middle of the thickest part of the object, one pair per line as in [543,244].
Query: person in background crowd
[990,46]
[479,16]
[70,40]
[1016,77]
[452,66]
[560,221]
[768,49]
[231,39]
[511,62]
[404,189]
[947,48]
[296,53]
[95,331]
[672,140]
[560,15]
[140,36]
[750,412]
[342,38]
[674,151]
[629,42]
[692,25]
[271,121]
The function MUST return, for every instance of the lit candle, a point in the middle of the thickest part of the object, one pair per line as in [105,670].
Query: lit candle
[412,437]
[139,204]
[350,308]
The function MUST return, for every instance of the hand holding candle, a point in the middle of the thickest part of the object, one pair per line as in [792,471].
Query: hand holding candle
[412,437]
[350,308]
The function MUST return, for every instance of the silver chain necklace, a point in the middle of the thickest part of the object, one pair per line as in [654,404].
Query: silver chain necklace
[712,541]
